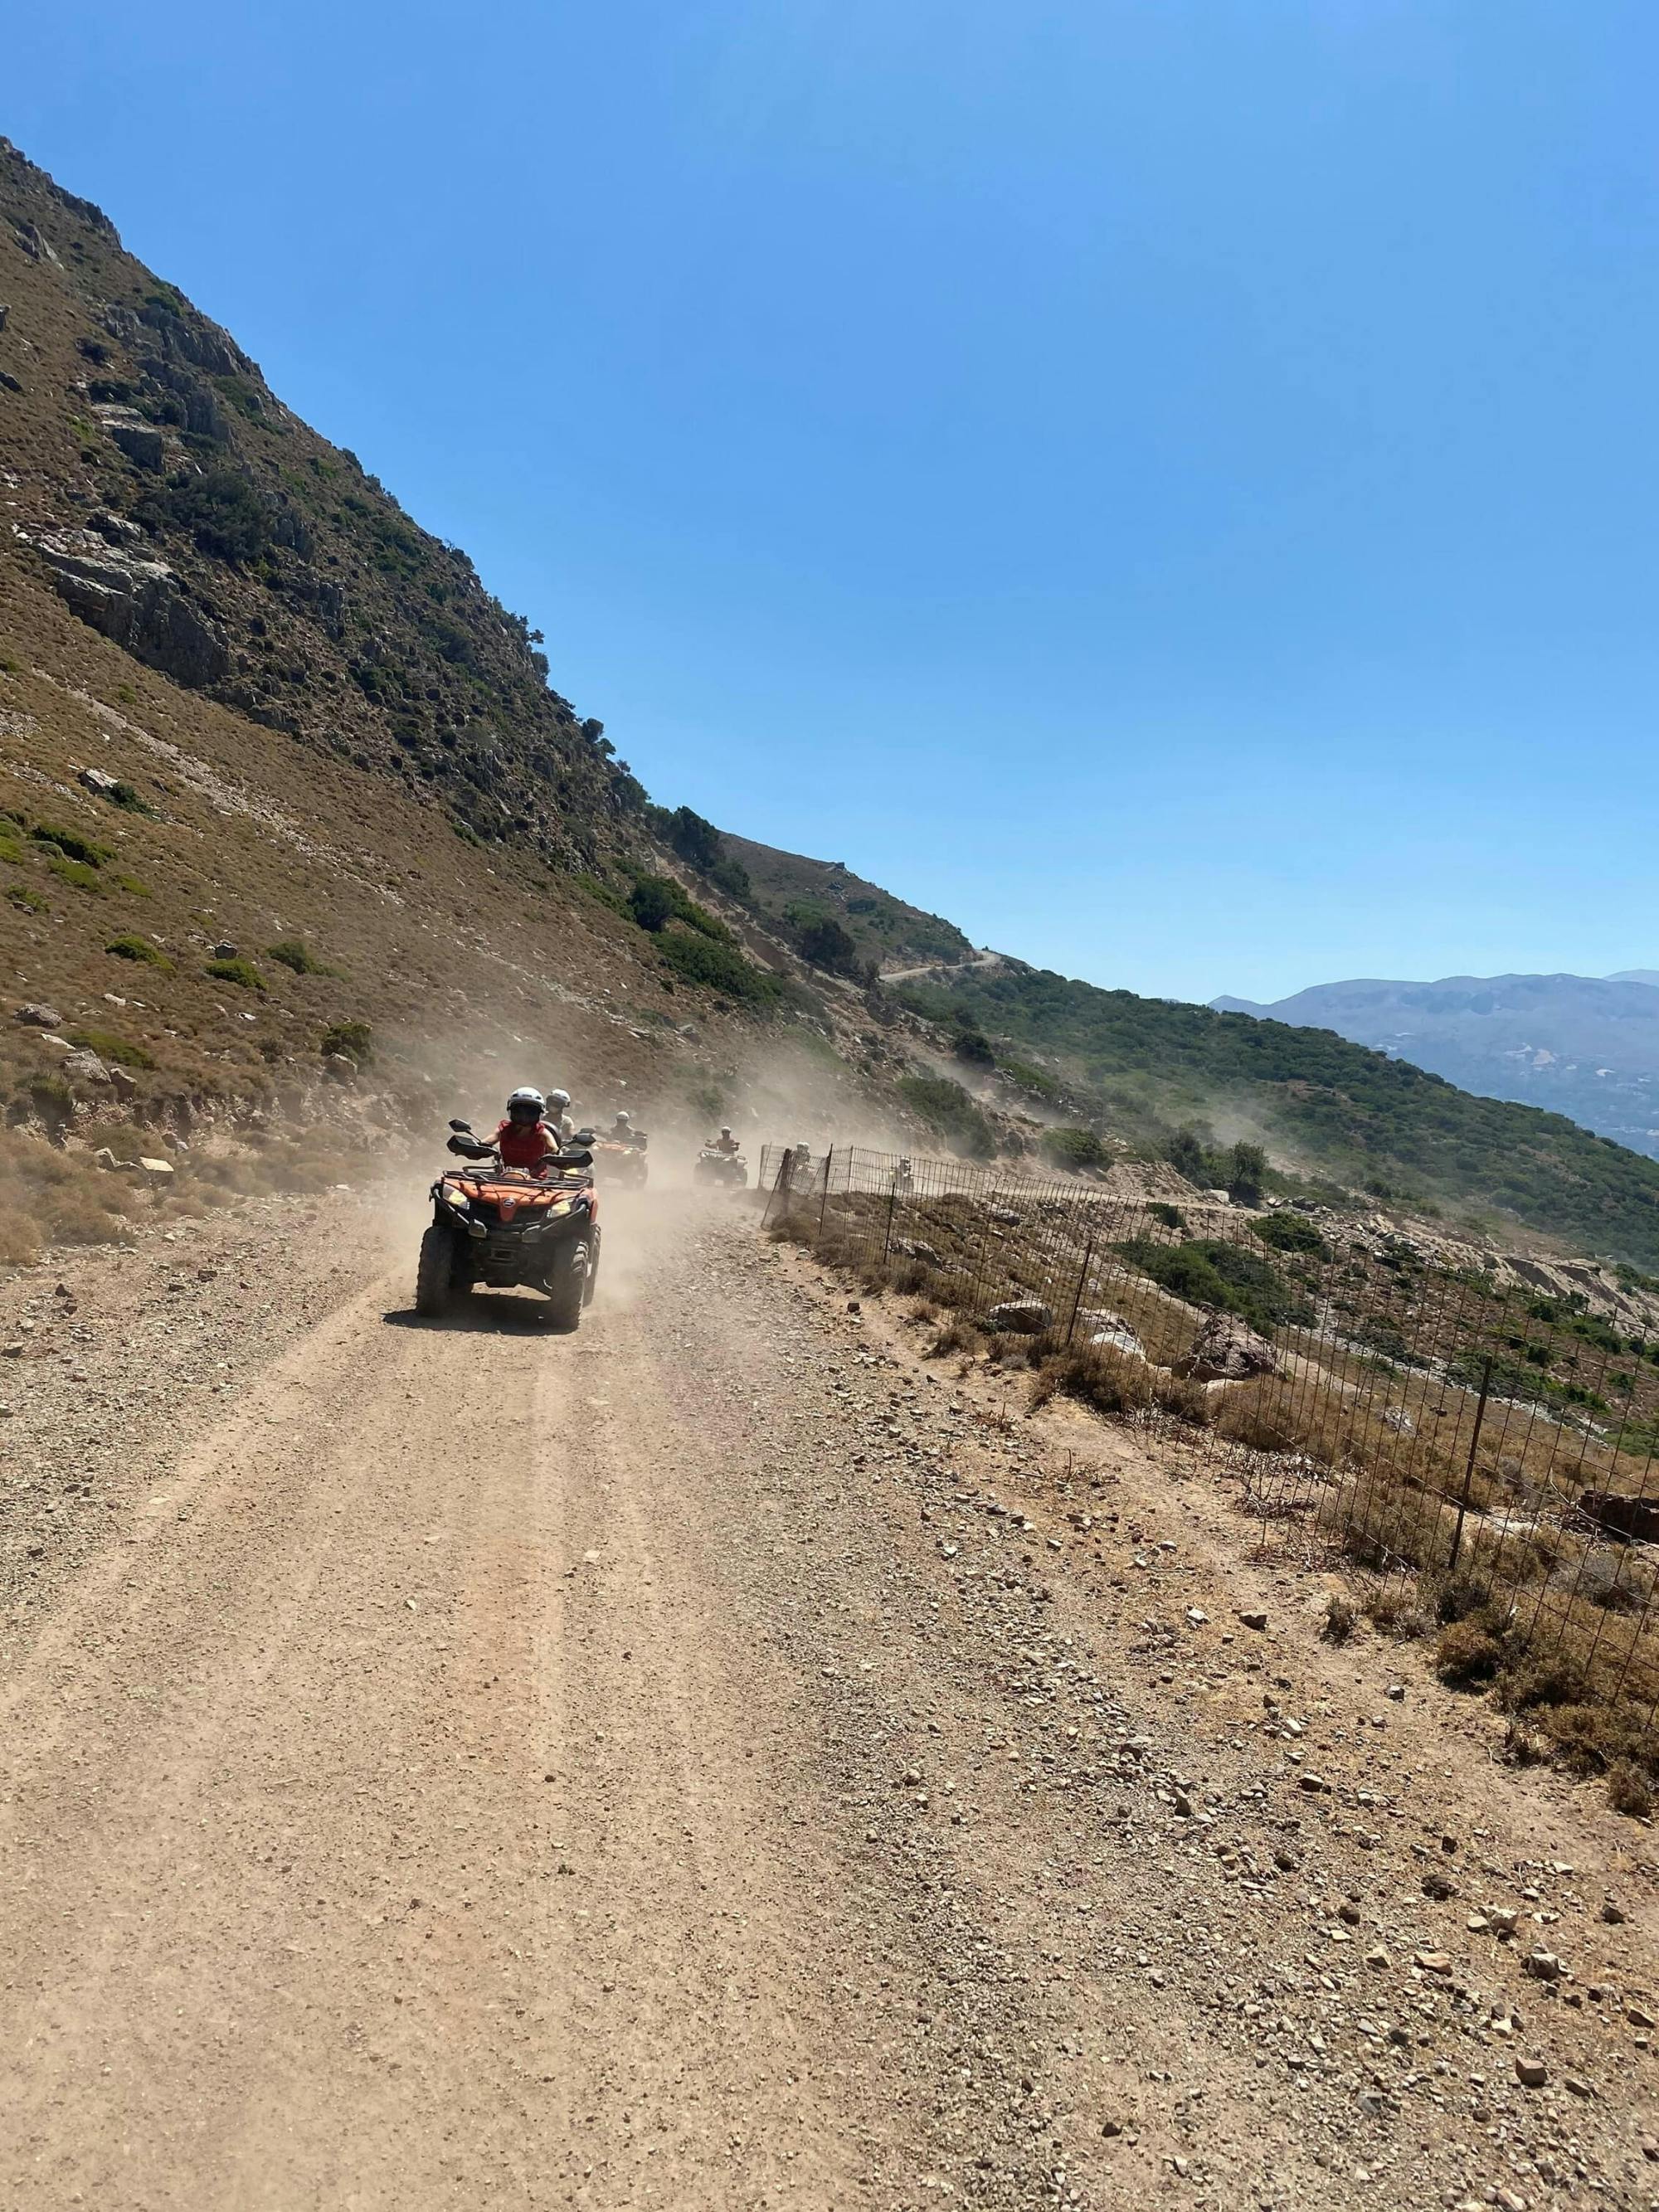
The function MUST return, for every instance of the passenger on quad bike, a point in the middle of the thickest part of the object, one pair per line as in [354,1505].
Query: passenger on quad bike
[622,1132]
[522,1214]
[726,1142]
[524,1139]
[558,1113]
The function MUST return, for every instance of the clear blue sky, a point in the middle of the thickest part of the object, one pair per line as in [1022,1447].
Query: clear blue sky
[1171,485]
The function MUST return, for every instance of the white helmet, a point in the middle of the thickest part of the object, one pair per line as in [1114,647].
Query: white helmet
[622,1113]
[558,1099]
[525,1096]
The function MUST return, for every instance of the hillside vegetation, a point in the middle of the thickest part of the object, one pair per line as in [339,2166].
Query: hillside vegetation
[1330,1106]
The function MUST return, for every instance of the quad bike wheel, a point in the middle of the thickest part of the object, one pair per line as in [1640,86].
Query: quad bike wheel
[591,1276]
[567,1285]
[434,1273]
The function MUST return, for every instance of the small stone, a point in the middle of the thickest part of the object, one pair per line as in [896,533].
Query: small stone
[1438,1886]
[1531,2073]
[1378,1956]
[1397,1691]
[1575,2087]
[1638,2016]
[157,1170]
[40,1017]
[1542,1966]
[1503,1918]
[1111,2128]
[1312,1782]
[1196,1616]
[1614,1914]
[1650,2148]
[1433,1962]
[224,949]
[911,1777]
[1252,1617]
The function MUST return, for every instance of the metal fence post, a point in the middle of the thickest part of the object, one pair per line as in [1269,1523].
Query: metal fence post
[828,1162]
[785,1170]
[1082,1281]
[893,1201]
[1468,1467]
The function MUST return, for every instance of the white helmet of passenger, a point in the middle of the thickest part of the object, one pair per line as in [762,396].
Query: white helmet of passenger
[526,1104]
[558,1100]
[725,1129]
[624,1119]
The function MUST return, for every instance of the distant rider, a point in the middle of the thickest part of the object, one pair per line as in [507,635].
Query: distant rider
[558,1113]
[726,1143]
[623,1131]
[524,1138]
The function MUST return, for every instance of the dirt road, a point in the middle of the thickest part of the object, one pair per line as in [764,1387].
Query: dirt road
[704,1762]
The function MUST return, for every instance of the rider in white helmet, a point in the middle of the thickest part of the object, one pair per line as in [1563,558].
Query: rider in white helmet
[558,1113]
[726,1142]
[524,1139]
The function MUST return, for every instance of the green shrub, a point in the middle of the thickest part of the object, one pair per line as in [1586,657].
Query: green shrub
[291,952]
[1170,1216]
[826,944]
[71,844]
[78,874]
[241,972]
[31,902]
[1210,1272]
[1292,1232]
[1073,1148]
[132,802]
[131,883]
[221,510]
[948,1108]
[131,946]
[11,851]
[108,1046]
[652,902]
[972,1047]
[720,968]
[355,1040]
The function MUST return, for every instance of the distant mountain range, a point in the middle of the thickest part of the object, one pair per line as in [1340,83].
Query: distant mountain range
[1584,1046]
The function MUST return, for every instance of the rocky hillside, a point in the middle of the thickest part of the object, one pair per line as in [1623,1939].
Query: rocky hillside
[1584,1046]
[810,902]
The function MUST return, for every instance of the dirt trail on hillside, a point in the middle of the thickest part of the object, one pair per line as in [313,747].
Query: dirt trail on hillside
[698,1763]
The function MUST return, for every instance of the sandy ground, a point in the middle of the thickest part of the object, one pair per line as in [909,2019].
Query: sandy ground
[718,1760]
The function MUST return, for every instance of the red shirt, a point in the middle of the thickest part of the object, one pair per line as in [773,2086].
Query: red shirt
[525,1144]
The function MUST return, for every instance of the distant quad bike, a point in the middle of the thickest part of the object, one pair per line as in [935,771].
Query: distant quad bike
[728,1170]
[500,1228]
[620,1161]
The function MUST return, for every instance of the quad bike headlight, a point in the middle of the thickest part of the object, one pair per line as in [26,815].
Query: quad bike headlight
[456,1201]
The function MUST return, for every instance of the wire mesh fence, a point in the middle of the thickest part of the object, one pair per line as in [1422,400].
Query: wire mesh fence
[1453,1428]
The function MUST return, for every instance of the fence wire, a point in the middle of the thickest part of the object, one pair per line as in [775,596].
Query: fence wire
[1491,1441]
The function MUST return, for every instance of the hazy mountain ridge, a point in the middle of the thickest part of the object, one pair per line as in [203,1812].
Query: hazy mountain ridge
[1584,1046]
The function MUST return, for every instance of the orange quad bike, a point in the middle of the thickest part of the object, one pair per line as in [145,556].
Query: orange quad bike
[502,1228]
[619,1161]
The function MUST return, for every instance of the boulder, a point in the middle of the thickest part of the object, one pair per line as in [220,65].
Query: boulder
[338,1069]
[1111,1331]
[139,441]
[1020,1317]
[156,1170]
[224,949]
[39,1017]
[1622,1514]
[124,1084]
[1397,1418]
[1226,1350]
[103,1158]
[917,1248]
[1005,1214]
[138,605]
[85,1068]
[95,780]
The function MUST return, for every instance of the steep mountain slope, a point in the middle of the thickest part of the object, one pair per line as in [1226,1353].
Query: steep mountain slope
[295,833]
[1584,1046]
[1330,1106]
[795,892]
